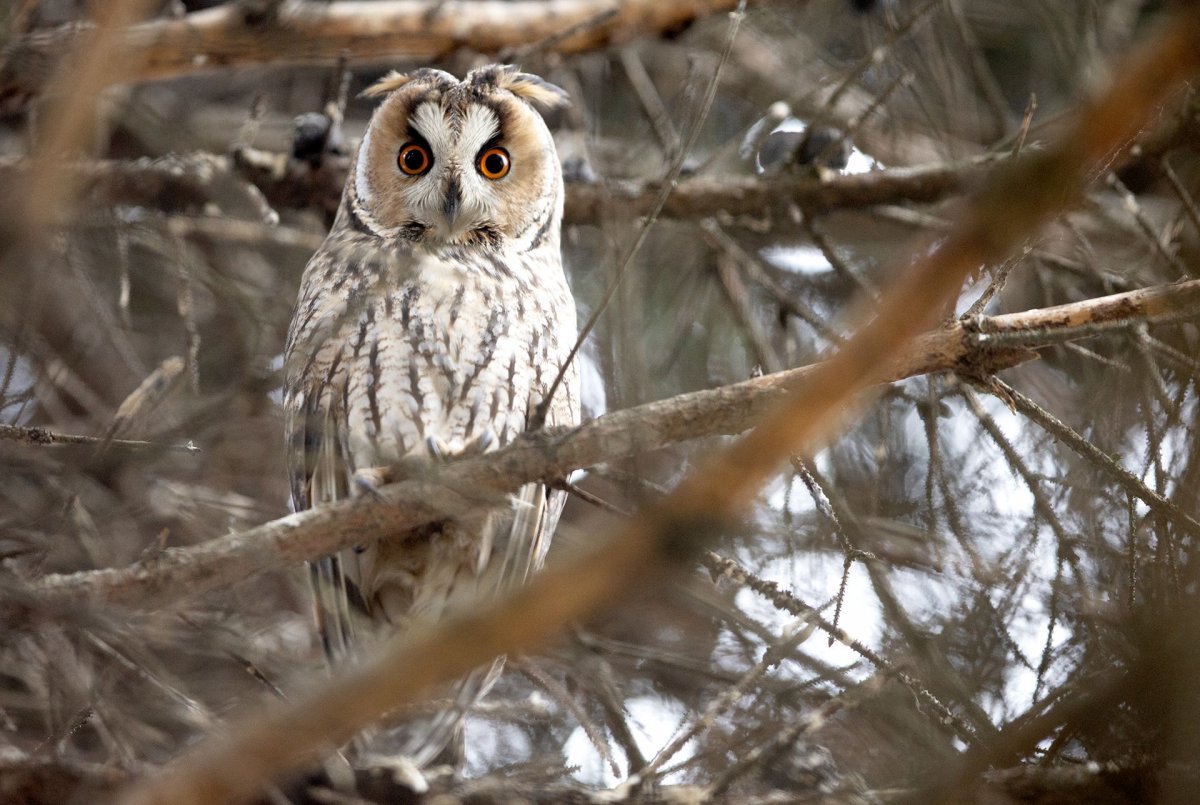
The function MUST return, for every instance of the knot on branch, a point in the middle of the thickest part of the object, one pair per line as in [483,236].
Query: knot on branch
[983,355]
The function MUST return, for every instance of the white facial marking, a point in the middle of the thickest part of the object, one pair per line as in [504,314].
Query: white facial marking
[430,123]
[362,185]
[479,126]
[454,155]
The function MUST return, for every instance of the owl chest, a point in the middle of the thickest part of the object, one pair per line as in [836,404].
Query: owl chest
[452,361]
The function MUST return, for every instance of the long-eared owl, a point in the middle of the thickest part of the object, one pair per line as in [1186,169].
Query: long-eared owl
[431,323]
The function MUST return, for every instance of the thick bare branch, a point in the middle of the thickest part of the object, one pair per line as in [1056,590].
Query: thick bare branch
[708,196]
[320,32]
[52,781]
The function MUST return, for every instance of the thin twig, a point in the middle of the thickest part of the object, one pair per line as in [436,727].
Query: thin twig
[42,436]
[1026,122]
[1189,203]
[668,185]
[1098,458]
[788,602]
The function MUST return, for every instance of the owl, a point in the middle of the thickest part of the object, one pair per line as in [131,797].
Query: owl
[431,323]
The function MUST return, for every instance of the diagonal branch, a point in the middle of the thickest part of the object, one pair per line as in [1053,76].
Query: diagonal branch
[966,348]
[669,533]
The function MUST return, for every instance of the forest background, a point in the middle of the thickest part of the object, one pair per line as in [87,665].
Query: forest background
[957,569]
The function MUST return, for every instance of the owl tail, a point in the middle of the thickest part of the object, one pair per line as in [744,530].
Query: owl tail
[331,608]
[423,736]
[435,738]
[513,545]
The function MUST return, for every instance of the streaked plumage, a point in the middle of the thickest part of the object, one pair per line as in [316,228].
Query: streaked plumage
[431,322]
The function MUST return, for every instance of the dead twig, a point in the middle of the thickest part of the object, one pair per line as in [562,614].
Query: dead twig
[42,436]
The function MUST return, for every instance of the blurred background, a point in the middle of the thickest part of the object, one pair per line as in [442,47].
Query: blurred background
[944,590]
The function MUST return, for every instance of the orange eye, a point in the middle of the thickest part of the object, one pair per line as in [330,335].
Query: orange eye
[414,159]
[494,163]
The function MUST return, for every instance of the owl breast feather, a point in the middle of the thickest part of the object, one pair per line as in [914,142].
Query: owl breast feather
[455,355]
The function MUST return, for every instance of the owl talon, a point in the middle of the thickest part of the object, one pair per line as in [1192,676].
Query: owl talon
[438,448]
[399,769]
[368,480]
[484,441]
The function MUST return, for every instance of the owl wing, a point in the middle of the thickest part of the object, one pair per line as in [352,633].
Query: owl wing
[319,474]
[343,410]
[323,467]
[320,464]
[536,507]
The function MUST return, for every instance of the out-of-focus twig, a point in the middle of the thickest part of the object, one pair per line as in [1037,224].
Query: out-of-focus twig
[138,405]
[98,57]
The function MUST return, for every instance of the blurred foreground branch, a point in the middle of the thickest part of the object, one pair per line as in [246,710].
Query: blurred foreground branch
[96,59]
[233,35]
[667,534]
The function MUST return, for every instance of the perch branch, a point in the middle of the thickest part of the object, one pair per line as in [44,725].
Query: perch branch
[963,347]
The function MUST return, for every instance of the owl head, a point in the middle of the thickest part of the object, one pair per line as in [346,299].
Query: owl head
[448,162]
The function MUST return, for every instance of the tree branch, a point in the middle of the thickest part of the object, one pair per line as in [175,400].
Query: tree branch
[41,436]
[967,348]
[708,196]
[184,182]
[35,781]
[369,32]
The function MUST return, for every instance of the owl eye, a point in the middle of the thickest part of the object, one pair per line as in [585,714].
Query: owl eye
[494,163]
[414,159]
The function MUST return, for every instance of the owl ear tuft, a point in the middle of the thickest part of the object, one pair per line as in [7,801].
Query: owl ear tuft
[396,79]
[389,83]
[531,88]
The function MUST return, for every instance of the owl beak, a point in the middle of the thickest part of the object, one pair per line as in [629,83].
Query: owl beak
[453,202]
